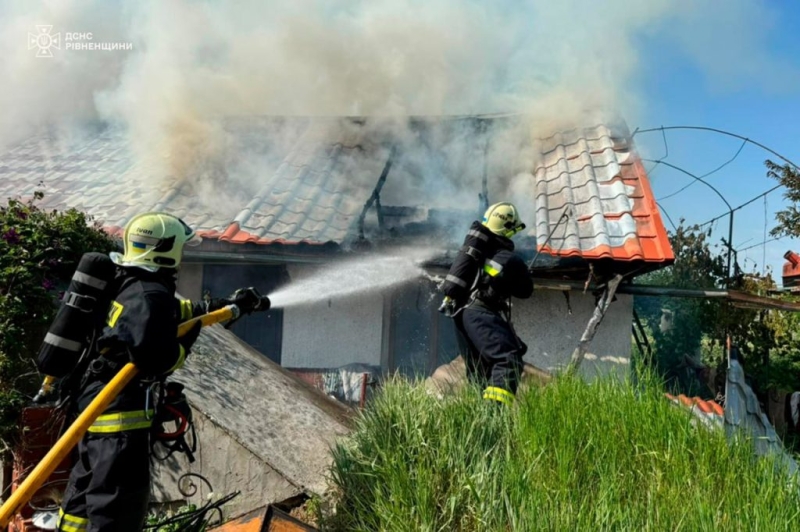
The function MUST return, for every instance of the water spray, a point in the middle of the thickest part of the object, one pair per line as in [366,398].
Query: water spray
[353,277]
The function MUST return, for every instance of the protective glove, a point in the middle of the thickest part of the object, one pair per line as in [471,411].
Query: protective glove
[247,299]
[448,307]
[188,339]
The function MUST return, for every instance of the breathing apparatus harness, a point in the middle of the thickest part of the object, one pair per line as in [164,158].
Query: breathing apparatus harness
[461,285]
[172,422]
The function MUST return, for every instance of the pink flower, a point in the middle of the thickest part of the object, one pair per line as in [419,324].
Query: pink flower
[11,236]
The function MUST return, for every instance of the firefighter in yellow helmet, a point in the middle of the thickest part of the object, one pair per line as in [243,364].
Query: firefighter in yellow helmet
[485,275]
[109,484]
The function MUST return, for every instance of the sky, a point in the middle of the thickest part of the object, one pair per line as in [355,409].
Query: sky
[732,64]
[681,94]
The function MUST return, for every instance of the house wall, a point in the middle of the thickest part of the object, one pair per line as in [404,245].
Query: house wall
[552,333]
[228,466]
[332,333]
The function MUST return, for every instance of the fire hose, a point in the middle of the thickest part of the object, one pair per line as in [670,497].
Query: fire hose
[76,431]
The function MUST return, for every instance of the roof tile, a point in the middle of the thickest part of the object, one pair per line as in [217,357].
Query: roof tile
[318,191]
[598,179]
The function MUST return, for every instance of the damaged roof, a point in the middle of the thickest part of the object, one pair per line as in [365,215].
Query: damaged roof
[594,177]
[328,173]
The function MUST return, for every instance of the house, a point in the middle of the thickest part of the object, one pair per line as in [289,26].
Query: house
[287,197]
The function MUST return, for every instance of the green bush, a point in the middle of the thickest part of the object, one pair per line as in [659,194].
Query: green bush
[570,456]
[39,251]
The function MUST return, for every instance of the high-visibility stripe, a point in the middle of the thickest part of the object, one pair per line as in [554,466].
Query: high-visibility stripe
[455,280]
[186,309]
[492,268]
[121,421]
[63,343]
[114,313]
[493,393]
[181,359]
[89,280]
[71,523]
[477,234]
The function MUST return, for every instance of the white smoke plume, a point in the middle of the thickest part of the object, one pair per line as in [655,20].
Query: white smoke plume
[195,63]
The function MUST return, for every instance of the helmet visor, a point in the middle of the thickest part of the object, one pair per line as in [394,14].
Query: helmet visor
[192,238]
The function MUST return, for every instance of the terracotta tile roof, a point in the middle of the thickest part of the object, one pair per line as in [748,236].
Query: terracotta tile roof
[709,413]
[316,191]
[596,175]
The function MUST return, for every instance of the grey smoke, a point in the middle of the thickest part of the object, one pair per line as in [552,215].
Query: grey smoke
[196,64]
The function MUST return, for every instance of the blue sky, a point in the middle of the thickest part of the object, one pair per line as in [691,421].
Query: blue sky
[678,92]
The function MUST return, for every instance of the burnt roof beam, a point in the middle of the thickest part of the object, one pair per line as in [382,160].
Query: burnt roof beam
[374,198]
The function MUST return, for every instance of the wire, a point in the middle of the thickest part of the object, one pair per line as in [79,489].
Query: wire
[764,243]
[678,168]
[667,215]
[745,204]
[715,170]
[666,153]
[722,132]
[764,249]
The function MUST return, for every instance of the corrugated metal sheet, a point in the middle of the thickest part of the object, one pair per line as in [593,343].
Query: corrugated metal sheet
[595,175]
[742,414]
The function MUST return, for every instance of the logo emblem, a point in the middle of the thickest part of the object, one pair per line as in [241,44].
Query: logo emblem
[43,40]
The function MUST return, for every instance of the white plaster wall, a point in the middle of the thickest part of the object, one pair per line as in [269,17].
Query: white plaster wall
[332,333]
[552,334]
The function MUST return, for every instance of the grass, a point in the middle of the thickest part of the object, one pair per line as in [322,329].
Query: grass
[569,456]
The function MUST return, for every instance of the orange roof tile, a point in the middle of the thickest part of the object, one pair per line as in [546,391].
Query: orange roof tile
[595,175]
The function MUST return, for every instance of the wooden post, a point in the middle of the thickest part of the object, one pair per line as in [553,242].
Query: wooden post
[594,322]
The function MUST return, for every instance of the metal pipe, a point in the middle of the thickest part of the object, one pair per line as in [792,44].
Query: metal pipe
[730,250]
[564,216]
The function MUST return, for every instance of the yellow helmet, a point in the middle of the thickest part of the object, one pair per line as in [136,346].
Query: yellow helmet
[155,240]
[502,219]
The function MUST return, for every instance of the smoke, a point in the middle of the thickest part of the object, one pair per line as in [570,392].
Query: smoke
[195,65]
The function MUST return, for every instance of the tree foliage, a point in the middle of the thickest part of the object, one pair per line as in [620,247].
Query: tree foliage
[39,251]
[788,219]
[690,332]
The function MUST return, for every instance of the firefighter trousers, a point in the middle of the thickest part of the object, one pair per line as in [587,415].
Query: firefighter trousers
[109,486]
[492,350]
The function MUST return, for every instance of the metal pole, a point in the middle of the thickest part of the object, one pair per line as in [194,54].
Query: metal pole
[730,249]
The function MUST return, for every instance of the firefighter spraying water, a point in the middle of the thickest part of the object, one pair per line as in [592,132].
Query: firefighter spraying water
[484,276]
[112,346]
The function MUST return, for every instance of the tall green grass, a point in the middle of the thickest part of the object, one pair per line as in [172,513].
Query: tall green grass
[570,456]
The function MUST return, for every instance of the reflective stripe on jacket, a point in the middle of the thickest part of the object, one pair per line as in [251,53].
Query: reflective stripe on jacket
[122,421]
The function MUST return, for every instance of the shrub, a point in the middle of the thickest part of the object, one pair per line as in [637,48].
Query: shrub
[39,251]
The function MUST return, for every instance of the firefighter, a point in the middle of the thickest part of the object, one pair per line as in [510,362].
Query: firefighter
[109,485]
[492,350]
